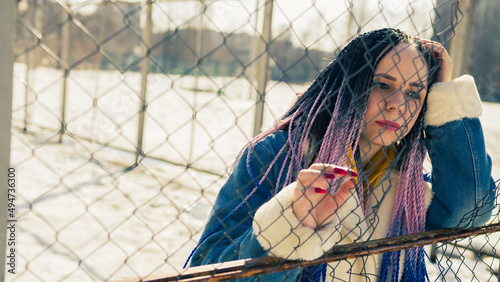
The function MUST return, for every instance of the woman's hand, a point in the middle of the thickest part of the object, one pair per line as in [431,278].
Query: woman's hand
[316,200]
[443,58]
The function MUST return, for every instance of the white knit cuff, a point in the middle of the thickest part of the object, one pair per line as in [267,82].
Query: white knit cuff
[280,232]
[454,100]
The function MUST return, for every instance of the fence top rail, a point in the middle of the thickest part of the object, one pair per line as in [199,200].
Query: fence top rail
[255,266]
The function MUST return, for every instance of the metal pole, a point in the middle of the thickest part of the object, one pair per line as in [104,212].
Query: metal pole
[29,64]
[65,64]
[253,52]
[469,36]
[33,58]
[262,67]
[146,36]
[460,45]
[27,92]
[97,65]
[443,22]
[199,50]
[457,43]
[7,36]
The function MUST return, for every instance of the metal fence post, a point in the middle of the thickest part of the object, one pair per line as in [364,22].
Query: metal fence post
[262,67]
[65,64]
[146,33]
[98,68]
[196,86]
[453,27]
[33,57]
[252,70]
[7,35]
[29,63]
[461,44]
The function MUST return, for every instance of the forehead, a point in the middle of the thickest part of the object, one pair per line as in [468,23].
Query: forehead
[404,61]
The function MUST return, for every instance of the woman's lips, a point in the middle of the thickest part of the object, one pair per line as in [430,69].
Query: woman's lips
[387,124]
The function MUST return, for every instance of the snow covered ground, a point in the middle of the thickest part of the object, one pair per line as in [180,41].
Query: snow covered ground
[84,216]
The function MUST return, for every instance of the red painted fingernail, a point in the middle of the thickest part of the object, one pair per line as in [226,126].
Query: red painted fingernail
[319,190]
[340,171]
[329,175]
[353,173]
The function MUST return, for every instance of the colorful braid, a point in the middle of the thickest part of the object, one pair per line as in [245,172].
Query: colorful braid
[341,92]
[325,124]
[409,210]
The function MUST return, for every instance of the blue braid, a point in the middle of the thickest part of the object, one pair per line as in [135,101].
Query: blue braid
[320,274]
[409,273]
[389,257]
[422,270]
[397,259]
[316,273]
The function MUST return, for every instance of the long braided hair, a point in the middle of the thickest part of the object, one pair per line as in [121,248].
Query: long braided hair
[325,123]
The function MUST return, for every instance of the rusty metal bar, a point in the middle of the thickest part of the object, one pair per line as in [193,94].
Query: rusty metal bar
[257,266]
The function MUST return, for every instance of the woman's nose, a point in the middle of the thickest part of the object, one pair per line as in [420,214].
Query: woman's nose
[396,101]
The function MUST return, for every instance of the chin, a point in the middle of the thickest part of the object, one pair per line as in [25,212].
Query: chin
[387,141]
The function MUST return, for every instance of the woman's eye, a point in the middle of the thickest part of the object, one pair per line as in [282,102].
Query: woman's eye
[381,85]
[414,94]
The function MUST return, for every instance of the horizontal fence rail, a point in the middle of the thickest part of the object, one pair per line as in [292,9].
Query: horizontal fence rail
[256,266]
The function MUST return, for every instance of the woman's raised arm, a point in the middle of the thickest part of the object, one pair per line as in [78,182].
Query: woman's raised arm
[463,188]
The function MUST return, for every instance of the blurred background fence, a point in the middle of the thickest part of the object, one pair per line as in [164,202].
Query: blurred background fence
[127,116]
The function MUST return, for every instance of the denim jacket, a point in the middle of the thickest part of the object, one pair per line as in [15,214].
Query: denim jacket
[462,188]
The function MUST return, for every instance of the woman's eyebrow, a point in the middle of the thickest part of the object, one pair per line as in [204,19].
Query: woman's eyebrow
[386,76]
[417,83]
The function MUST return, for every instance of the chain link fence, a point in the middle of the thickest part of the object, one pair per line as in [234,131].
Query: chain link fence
[127,117]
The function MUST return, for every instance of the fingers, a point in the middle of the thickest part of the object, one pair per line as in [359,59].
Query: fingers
[441,55]
[321,177]
[437,50]
[331,171]
[321,191]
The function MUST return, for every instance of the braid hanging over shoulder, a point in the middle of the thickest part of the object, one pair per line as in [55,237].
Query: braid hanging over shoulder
[324,126]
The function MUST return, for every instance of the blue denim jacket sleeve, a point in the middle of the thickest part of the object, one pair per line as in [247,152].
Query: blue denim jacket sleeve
[229,235]
[463,188]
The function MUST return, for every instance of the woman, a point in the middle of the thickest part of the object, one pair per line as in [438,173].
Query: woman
[345,164]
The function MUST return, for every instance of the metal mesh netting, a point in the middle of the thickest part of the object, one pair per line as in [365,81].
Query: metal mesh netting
[128,117]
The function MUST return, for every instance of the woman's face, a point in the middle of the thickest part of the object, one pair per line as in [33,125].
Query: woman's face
[396,97]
